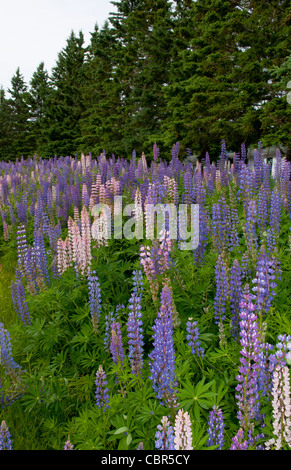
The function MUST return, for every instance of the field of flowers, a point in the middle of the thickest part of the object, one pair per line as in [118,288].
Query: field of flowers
[126,343]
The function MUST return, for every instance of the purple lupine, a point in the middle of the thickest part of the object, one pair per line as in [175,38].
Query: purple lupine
[41,259]
[235,291]
[215,428]
[222,291]
[116,347]
[162,358]
[203,234]
[5,437]
[193,338]
[275,210]
[164,435]
[262,209]
[247,396]
[238,442]
[19,302]
[68,445]
[137,283]
[6,351]
[135,334]
[94,298]
[102,391]
[250,233]
[264,282]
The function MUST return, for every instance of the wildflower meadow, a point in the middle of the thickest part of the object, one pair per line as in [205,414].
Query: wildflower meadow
[145,303]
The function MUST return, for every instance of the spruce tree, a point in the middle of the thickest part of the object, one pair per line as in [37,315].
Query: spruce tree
[65,106]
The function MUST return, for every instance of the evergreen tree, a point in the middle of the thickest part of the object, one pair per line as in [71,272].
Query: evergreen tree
[19,116]
[38,96]
[6,152]
[101,121]
[65,106]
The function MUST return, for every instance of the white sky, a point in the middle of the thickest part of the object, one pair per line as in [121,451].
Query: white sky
[35,31]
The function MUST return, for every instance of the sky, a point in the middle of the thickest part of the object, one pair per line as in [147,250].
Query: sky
[35,31]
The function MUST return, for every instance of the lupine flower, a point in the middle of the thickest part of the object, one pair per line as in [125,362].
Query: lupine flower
[94,299]
[183,431]
[19,302]
[193,338]
[237,442]
[275,210]
[6,351]
[116,347]
[5,437]
[264,282]
[165,435]
[248,400]
[235,292]
[215,428]
[68,445]
[281,409]
[101,393]
[222,291]
[162,358]
[135,334]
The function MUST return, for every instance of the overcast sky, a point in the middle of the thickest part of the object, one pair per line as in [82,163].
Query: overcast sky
[35,31]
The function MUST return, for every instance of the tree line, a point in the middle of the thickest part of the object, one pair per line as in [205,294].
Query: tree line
[193,72]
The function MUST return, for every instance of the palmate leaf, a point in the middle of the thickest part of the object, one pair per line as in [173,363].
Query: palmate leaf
[195,397]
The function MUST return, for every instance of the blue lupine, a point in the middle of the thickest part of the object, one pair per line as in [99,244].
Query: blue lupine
[135,334]
[193,338]
[6,351]
[203,234]
[5,437]
[264,282]
[165,435]
[19,302]
[116,346]
[247,396]
[215,428]
[235,292]
[222,291]
[162,358]
[275,210]
[102,391]
[94,299]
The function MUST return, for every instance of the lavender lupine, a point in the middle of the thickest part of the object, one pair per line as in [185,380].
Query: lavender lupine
[183,431]
[222,291]
[162,358]
[135,334]
[264,287]
[20,302]
[94,299]
[249,228]
[164,435]
[116,346]
[6,356]
[215,428]
[235,292]
[102,391]
[68,445]
[193,338]
[238,442]
[247,388]
[5,437]
[275,210]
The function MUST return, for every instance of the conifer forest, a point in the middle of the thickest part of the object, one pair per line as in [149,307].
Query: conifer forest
[145,274]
